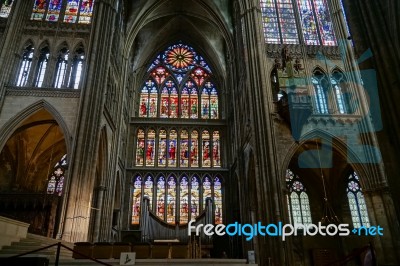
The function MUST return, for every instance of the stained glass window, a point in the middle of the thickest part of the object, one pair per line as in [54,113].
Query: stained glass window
[55,182]
[279,21]
[338,83]
[298,203]
[54,10]
[25,66]
[177,200]
[184,200]
[184,149]
[194,197]
[148,189]
[76,11]
[172,151]
[216,149]
[140,148]
[150,147]
[160,197]
[207,193]
[136,201]
[205,142]
[61,68]
[324,22]
[194,149]
[181,81]
[42,66]
[218,200]
[320,84]
[5,8]
[162,148]
[86,11]
[358,207]
[171,200]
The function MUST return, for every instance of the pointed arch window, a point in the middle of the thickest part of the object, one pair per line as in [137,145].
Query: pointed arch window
[25,66]
[76,69]
[182,82]
[55,183]
[61,68]
[298,203]
[177,200]
[358,207]
[320,84]
[5,8]
[137,197]
[338,83]
[42,66]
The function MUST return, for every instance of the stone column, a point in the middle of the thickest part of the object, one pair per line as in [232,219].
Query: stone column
[98,216]
[86,143]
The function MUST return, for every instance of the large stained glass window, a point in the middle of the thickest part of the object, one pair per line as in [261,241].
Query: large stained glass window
[298,203]
[177,148]
[55,183]
[177,200]
[358,207]
[179,79]
[76,11]
[279,21]
[5,8]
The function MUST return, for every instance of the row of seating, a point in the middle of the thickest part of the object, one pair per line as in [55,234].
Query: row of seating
[105,250]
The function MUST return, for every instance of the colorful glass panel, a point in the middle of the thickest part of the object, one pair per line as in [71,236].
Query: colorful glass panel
[205,142]
[160,211]
[270,21]
[324,22]
[184,149]
[308,22]
[173,103]
[53,12]
[148,190]
[205,104]
[71,11]
[194,198]
[194,99]
[39,9]
[171,200]
[179,57]
[86,11]
[216,150]
[5,9]
[162,148]
[172,148]
[185,102]
[150,148]
[287,22]
[136,199]
[159,74]
[218,200]
[213,100]
[164,102]
[207,193]
[194,149]
[184,200]
[199,75]
[140,148]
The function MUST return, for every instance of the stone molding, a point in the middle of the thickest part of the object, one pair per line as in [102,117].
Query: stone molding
[59,93]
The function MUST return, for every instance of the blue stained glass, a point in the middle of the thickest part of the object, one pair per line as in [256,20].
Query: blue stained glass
[39,8]
[325,23]
[308,22]
[287,22]
[53,12]
[86,11]
[270,21]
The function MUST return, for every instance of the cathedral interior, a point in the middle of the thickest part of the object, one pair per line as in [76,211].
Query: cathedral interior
[124,120]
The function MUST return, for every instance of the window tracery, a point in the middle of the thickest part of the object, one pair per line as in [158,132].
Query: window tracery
[357,204]
[298,202]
